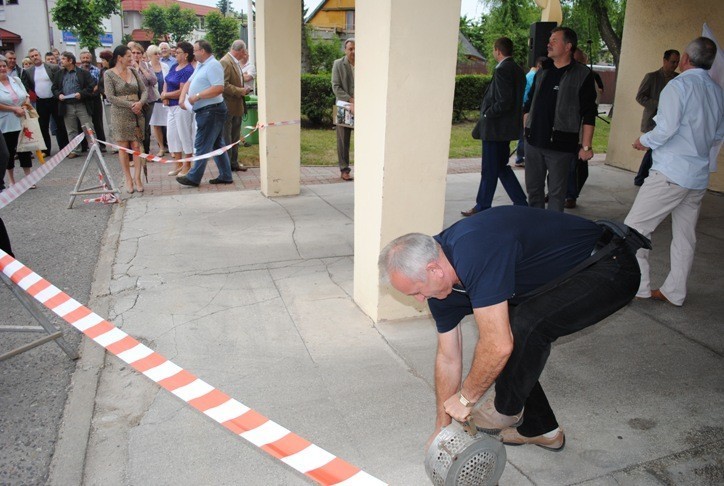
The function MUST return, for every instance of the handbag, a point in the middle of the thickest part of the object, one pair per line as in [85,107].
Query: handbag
[476,131]
[30,138]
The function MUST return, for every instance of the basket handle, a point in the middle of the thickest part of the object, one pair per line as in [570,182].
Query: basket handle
[469,427]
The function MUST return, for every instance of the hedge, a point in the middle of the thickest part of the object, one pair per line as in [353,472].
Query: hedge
[318,98]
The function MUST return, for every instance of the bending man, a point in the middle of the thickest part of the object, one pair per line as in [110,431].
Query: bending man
[497,265]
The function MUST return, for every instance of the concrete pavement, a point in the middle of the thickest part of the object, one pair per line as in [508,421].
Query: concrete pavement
[254,296]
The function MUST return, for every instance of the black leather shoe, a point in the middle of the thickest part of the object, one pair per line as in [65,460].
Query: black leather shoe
[219,181]
[240,168]
[469,212]
[186,181]
[569,203]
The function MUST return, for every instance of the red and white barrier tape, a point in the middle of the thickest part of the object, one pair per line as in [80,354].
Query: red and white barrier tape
[107,198]
[16,190]
[163,160]
[298,453]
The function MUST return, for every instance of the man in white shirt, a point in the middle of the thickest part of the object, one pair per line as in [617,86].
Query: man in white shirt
[39,78]
[689,122]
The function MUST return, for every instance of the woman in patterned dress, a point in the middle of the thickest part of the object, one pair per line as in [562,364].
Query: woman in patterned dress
[127,95]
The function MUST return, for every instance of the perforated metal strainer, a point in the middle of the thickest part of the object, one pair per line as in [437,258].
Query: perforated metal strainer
[464,457]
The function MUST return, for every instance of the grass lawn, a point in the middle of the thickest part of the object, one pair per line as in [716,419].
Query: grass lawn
[319,145]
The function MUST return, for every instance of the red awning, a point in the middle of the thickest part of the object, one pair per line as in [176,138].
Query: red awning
[9,37]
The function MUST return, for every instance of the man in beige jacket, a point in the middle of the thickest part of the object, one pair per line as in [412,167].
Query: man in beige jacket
[234,92]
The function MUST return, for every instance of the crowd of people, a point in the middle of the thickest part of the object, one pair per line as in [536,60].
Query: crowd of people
[162,92]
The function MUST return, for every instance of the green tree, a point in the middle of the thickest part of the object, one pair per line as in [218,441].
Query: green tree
[154,19]
[221,32]
[180,22]
[84,18]
[323,53]
[505,18]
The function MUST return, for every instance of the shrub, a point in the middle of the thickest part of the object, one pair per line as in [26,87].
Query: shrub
[323,53]
[317,98]
[469,90]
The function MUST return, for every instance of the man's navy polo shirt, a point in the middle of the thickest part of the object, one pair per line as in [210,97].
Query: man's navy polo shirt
[507,251]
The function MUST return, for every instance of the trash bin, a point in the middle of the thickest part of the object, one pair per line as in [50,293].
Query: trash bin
[251,117]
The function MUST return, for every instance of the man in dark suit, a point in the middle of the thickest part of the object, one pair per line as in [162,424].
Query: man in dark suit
[501,118]
[74,89]
[39,78]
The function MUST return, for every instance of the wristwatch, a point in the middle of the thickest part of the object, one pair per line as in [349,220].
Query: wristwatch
[466,403]
[587,148]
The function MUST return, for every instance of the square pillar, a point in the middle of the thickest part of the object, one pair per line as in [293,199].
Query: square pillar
[406,54]
[279,54]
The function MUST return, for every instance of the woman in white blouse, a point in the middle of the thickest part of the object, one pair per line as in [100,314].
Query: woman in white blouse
[13,103]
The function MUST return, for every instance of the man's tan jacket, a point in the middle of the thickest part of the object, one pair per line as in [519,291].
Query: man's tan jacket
[233,83]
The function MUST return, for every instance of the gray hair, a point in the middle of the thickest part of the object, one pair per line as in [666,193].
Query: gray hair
[702,52]
[83,51]
[164,44]
[238,45]
[408,255]
[347,41]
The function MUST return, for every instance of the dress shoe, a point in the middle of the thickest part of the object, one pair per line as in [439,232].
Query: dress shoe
[510,436]
[174,172]
[658,295]
[240,168]
[347,177]
[183,180]
[487,419]
[219,181]
[469,212]
[72,155]
[569,203]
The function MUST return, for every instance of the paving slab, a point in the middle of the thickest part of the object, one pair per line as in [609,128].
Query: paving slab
[254,296]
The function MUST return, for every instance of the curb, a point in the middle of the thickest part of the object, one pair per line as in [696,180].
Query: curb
[67,465]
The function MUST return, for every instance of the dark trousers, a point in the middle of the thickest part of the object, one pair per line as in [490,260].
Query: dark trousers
[582,300]
[232,133]
[495,166]
[577,178]
[47,109]
[4,158]
[520,148]
[11,142]
[147,112]
[344,135]
[644,169]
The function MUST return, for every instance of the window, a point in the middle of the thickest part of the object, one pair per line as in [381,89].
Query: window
[349,18]
[202,23]
[8,2]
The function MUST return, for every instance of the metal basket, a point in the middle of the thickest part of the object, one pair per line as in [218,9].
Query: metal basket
[457,458]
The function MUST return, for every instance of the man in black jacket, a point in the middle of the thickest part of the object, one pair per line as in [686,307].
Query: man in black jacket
[501,116]
[73,87]
[39,78]
[560,111]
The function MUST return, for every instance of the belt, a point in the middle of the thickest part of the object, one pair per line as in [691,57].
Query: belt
[614,236]
[209,106]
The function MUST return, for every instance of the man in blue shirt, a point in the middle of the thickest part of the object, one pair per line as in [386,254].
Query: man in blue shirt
[689,123]
[498,265]
[204,92]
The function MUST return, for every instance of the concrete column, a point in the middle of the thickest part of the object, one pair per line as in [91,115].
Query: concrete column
[278,83]
[650,28]
[406,53]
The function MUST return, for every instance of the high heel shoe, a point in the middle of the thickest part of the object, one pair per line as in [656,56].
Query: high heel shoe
[139,187]
[129,188]
[174,172]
